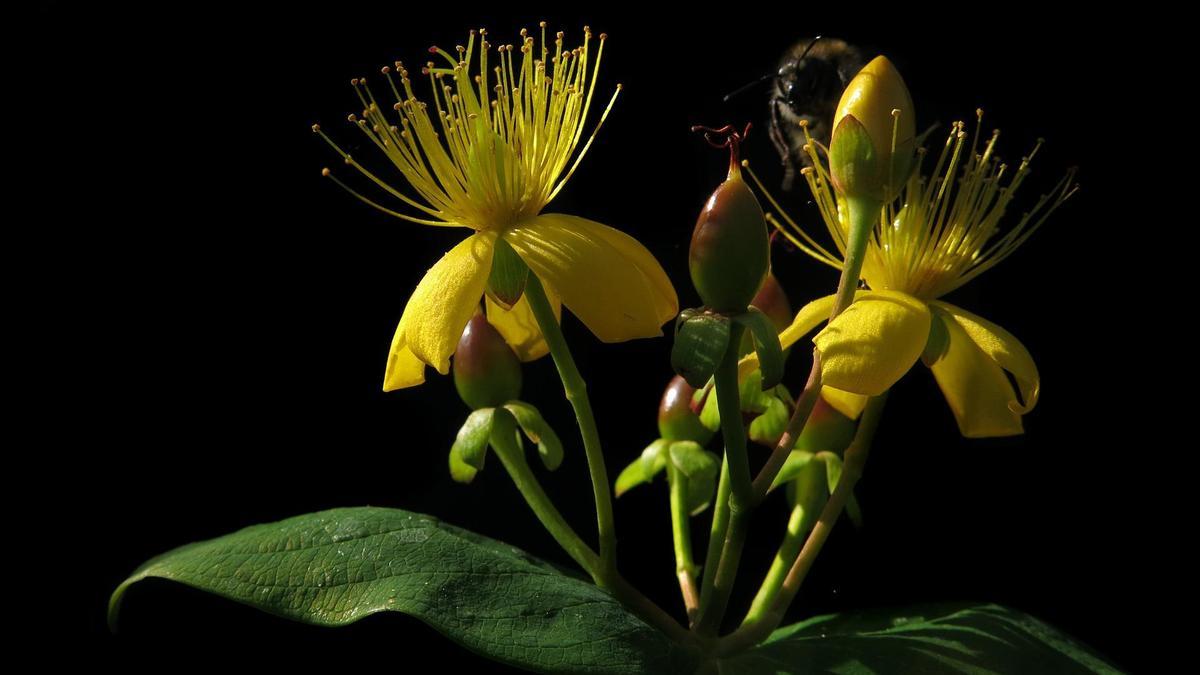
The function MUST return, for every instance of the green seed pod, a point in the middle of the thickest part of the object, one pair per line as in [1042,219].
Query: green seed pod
[730,255]
[486,371]
[676,420]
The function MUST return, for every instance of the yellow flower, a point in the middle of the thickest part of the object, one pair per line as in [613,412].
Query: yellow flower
[942,232]
[489,153]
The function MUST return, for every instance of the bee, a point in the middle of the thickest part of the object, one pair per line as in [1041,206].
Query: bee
[806,88]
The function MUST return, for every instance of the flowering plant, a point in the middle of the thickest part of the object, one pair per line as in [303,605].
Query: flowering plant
[489,149]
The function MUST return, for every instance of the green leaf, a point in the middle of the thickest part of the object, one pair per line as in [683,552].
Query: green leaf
[932,640]
[538,430]
[699,467]
[700,343]
[766,345]
[335,567]
[643,469]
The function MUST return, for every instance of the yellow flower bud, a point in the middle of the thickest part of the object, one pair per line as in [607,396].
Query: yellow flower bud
[874,134]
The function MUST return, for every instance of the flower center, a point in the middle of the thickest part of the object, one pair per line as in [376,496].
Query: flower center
[492,149]
[943,230]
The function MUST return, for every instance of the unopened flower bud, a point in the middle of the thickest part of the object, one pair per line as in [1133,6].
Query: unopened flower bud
[874,134]
[486,371]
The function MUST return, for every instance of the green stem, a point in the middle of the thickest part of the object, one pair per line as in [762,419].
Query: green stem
[685,568]
[512,455]
[800,521]
[507,447]
[795,426]
[576,392]
[654,615]
[862,215]
[716,535]
[738,504]
[757,628]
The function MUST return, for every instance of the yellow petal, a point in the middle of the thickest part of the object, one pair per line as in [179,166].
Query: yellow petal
[443,302]
[1006,350]
[404,369]
[850,405]
[975,387]
[519,328]
[874,342]
[606,278]
[809,317]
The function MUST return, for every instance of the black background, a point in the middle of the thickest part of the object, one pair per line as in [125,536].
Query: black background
[233,312]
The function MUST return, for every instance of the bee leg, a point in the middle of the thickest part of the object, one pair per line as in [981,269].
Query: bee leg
[781,146]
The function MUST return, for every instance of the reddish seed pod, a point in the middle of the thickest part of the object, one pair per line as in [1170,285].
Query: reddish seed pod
[486,371]
[676,420]
[729,255]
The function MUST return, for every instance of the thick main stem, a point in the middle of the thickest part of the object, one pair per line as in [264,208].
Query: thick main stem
[576,392]
[681,534]
[737,504]
[758,627]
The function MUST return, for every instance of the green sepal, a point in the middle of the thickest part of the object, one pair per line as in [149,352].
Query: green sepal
[808,490]
[768,427]
[833,474]
[854,163]
[766,345]
[460,471]
[795,462]
[699,468]
[549,447]
[939,338]
[705,399]
[833,468]
[470,445]
[509,273]
[700,342]
[641,470]
[770,410]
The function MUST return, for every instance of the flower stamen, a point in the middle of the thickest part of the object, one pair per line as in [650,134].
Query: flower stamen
[942,231]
